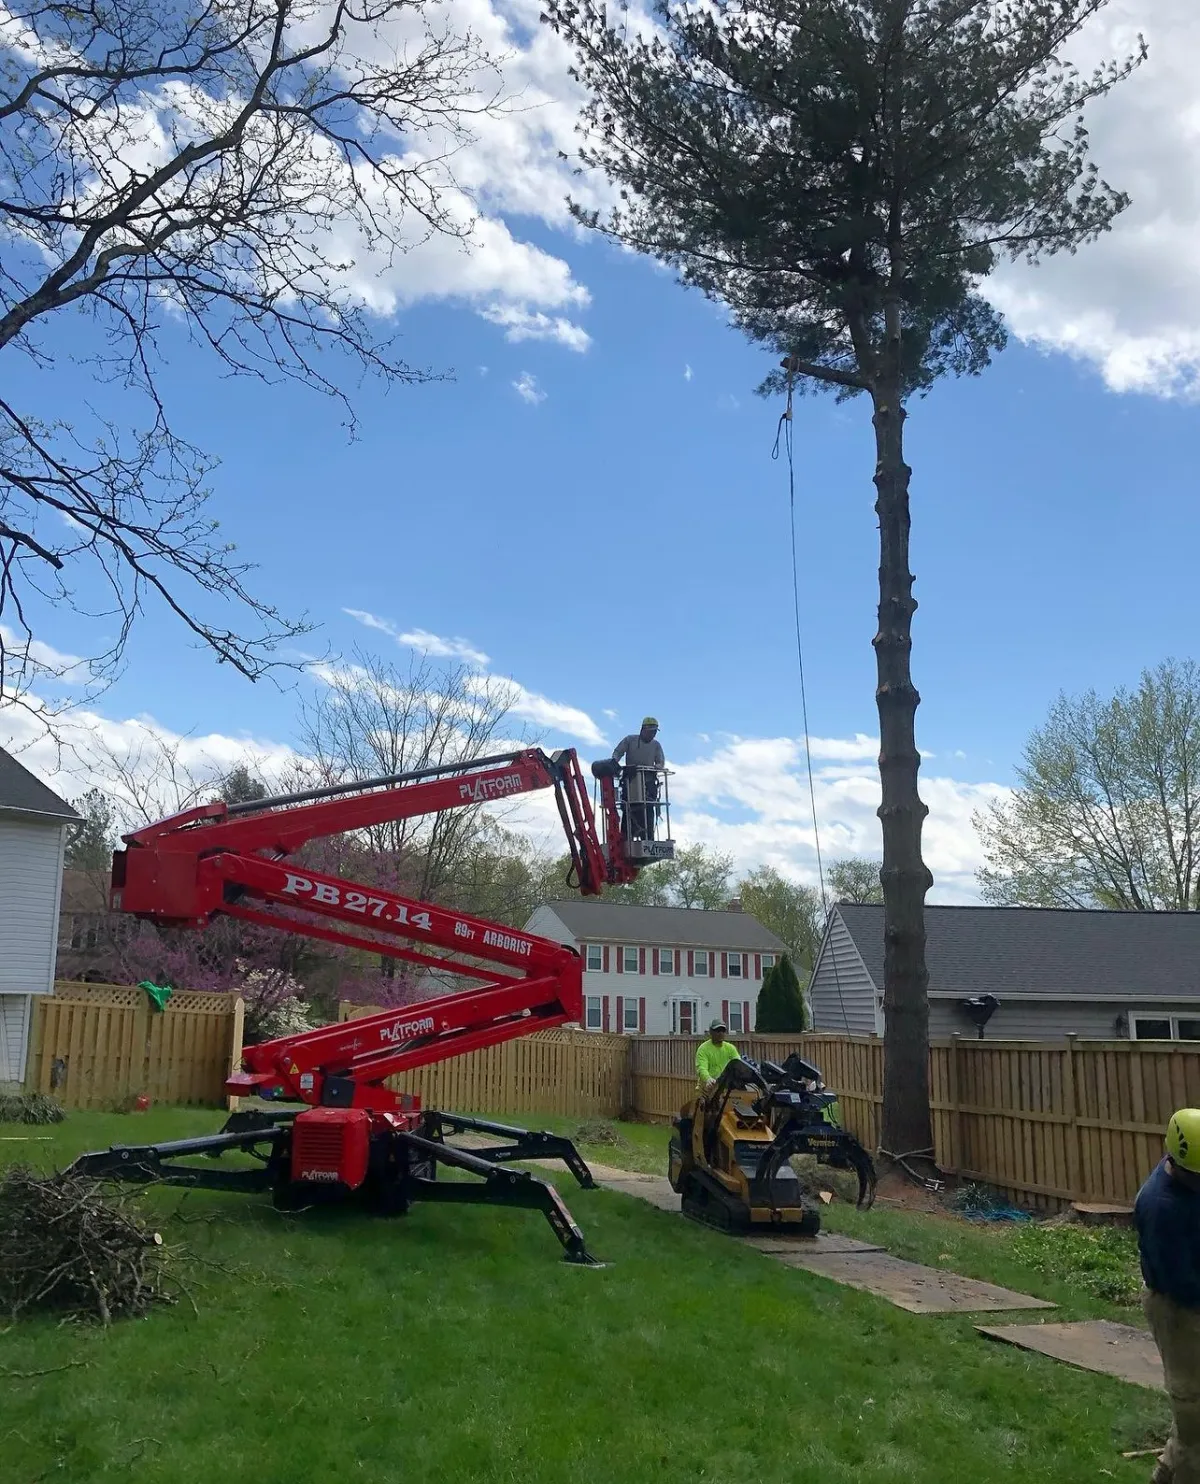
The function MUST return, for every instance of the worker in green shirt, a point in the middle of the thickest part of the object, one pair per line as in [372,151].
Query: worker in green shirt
[714,1055]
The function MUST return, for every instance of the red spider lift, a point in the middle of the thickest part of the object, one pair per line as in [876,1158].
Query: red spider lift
[353,1135]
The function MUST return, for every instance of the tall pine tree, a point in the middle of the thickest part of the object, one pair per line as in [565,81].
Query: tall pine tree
[90,845]
[843,174]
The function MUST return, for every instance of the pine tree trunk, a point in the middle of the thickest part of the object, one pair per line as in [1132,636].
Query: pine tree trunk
[906,1118]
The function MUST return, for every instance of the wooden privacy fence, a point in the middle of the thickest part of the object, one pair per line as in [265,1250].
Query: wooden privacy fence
[1047,1122]
[575,1073]
[101,1045]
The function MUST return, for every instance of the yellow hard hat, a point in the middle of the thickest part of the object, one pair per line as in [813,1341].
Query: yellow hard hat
[1183,1139]
[650,721]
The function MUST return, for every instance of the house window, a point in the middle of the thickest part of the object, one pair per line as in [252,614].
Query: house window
[629,960]
[768,961]
[630,1017]
[735,965]
[685,1017]
[735,1019]
[84,933]
[595,957]
[1164,1028]
[700,963]
[594,1016]
[666,960]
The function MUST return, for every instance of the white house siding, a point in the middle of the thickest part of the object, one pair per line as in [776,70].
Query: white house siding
[14,1037]
[656,995]
[842,996]
[31,863]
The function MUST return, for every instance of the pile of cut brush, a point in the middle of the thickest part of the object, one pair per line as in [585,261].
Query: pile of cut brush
[29,1107]
[69,1248]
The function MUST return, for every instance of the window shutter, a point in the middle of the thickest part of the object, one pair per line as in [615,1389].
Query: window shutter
[604,1006]
[691,962]
[725,1011]
[758,965]
[746,1017]
[678,962]
[620,1015]
[654,962]
[620,960]
[641,960]
[606,958]
[642,1015]
[724,966]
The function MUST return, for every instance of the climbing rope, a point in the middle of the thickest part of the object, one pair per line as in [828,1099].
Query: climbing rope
[783,435]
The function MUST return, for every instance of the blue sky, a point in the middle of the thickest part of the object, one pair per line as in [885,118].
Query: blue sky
[615,538]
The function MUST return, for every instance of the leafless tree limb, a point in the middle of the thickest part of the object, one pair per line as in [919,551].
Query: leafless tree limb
[239,168]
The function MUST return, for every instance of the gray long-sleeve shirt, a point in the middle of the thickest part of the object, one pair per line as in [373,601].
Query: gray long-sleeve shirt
[639,754]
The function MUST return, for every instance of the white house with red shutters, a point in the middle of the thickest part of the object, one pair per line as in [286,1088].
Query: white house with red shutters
[663,971]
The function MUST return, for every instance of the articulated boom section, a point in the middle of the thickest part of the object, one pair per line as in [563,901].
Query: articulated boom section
[232,859]
[357,1137]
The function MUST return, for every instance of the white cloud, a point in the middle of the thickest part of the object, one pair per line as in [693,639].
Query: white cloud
[422,639]
[687,373]
[146,767]
[520,324]
[526,387]
[1129,304]
[553,716]
[33,655]
[612,715]
[528,705]
[750,798]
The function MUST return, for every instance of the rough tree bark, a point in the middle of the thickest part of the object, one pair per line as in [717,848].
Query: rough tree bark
[905,877]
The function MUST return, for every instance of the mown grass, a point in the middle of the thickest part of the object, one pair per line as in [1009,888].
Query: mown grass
[453,1345]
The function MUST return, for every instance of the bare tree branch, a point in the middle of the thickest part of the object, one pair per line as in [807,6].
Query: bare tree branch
[240,169]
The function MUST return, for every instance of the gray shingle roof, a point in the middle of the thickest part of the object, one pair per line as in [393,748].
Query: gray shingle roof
[687,927]
[20,790]
[1047,951]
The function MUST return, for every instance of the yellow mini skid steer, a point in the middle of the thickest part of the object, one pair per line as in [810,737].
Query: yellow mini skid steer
[730,1155]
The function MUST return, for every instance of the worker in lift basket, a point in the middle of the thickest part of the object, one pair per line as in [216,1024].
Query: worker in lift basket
[1167,1216]
[714,1055]
[643,757]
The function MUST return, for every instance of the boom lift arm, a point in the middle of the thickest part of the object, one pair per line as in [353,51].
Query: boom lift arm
[356,1135]
[232,859]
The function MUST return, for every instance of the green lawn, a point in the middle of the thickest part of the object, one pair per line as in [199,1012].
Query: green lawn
[453,1345]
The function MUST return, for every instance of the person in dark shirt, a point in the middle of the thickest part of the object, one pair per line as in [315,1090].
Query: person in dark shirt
[1167,1217]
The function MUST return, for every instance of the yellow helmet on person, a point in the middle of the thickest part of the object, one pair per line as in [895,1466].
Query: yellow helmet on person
[1183,1139]
[650,721]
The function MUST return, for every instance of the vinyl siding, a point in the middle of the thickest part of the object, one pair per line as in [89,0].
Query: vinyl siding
[31,860]
[14,1035]
[1051,1020]
[841,995]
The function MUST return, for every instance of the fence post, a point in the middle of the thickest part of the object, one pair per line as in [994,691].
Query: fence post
[238,1030]
[1071,1109]
[143,1029]
[956,1139]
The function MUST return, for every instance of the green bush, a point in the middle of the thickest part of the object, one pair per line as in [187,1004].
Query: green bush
[780,1001]
[1101,1260]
